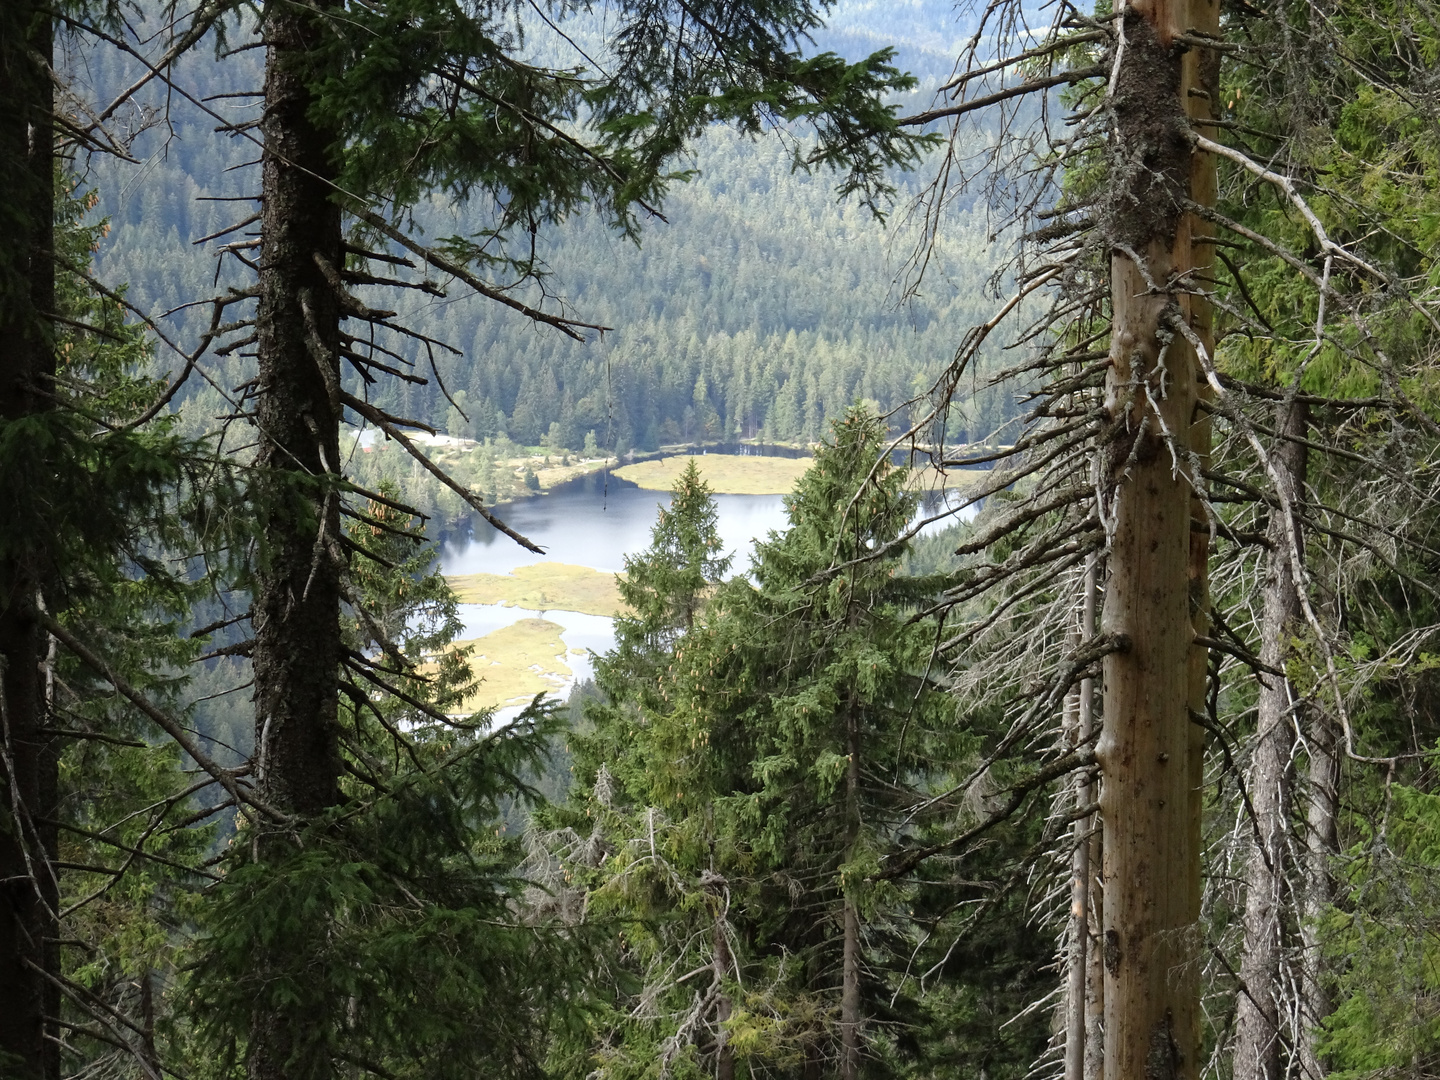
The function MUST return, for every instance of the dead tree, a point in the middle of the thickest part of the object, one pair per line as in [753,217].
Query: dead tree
[1150,440]
[1258,1032]
[1150,752]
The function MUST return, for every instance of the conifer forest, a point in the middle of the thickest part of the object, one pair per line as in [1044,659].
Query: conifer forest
[1026,665]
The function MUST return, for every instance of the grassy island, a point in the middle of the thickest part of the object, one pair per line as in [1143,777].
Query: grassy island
[727,474]
[517,662]
[548,586]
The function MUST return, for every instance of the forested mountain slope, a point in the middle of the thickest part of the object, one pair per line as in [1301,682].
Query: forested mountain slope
[759,308]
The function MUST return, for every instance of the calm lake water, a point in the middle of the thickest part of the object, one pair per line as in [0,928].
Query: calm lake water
[595,522]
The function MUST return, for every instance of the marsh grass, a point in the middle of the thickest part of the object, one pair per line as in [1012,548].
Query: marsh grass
[517,662]
[550,586]
[727,474]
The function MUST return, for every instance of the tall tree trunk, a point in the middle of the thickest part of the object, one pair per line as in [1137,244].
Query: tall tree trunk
[1078,976]
[1094,1065]
[1150,751]
[1257,1022]
[1322,843]
[29,892]
[296,604]
[850,975]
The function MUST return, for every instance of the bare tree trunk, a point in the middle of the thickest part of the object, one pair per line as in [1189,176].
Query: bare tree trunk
[850,996]
[1322,842]
[1094,967]
[1200,89]
[29,893]
[1257,1022]
[724,1054]
[850,976]
[1078,976]
[1150,751]
[296,605]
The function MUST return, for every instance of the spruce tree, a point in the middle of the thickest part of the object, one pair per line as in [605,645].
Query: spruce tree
[106,506]
[1241,320]
[747,786]
[822,672]
[618,846]
[92,494]
[394,938]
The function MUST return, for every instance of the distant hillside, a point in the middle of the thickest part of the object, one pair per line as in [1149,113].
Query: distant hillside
[761,309]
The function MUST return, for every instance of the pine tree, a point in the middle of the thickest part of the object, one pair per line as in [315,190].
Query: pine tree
[1232,288]
[824,680]
[94,491]
[101,496]
[618,839]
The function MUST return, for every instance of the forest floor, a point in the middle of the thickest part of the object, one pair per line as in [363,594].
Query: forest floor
[517,662]
[727,474]
[550,586]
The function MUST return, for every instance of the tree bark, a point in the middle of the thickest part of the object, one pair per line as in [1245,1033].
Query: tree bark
[1322,843]
[1150,752]
[1257,1021]
[296,604]
[297,595]
[850,975]
[1094,1068]
[1078,976]
[29,894]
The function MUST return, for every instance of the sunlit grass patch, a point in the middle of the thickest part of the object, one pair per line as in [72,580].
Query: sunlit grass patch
[517,662]
[727,474]
[549,586]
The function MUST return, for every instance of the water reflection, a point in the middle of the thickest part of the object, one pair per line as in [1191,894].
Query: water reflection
[598,520]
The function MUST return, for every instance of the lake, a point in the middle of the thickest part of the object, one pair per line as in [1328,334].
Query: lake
[595,521]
